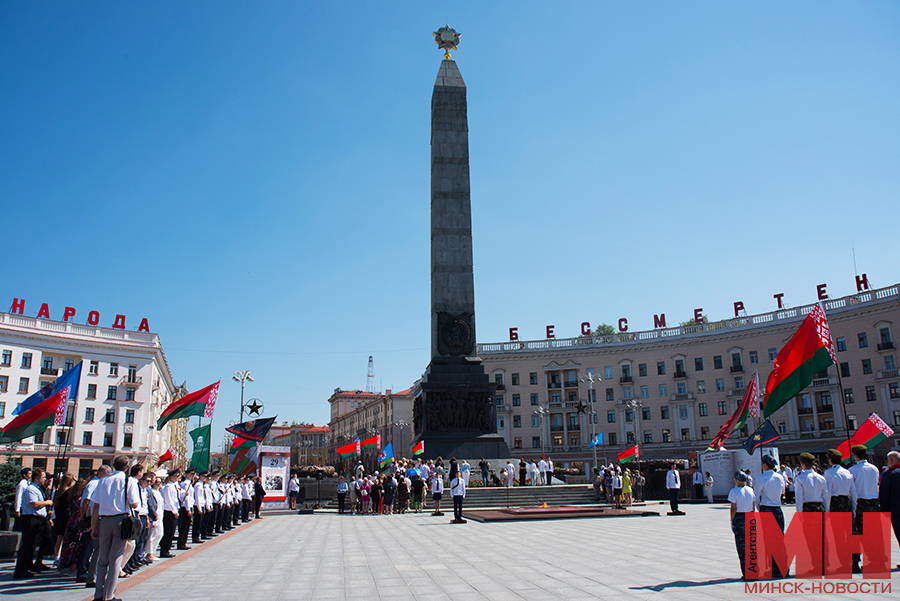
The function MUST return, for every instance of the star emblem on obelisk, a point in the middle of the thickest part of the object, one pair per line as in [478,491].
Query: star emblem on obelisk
[254,408]
[446,38]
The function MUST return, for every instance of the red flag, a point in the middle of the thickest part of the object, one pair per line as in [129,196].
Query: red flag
[196,403]
[170,454]
[739,417]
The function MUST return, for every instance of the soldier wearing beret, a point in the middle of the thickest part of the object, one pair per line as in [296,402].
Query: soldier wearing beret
[865,479]
[842,498]
[811,496]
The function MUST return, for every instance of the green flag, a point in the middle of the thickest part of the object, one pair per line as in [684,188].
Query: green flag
[200,456]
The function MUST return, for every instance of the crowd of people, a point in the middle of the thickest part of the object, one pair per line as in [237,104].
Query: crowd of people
[78,523]
[617,486]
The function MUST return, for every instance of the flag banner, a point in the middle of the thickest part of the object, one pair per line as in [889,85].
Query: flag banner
[69,380]
[170,454]
[870,433]
[387,455]
[246,462]
[60,417]
[753,410]
[349,449]
[765,434]
[809,351]
[596,441]
[419,448]
[35,420]
[200,454]
[189,405]
[739,417]
[372,443]
[255,429]
[629,454]
[242,443]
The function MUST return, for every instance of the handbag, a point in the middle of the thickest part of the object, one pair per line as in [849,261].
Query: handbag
[131,525]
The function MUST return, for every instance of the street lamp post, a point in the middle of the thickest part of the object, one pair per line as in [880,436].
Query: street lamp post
[401,424]
[590,378]
[637,406]
[541,411]
[242,377]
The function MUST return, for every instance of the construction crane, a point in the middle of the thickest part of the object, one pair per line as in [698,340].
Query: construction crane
[370,380]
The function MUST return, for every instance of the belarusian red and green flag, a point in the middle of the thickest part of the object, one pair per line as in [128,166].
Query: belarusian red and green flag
[419,448]
[170,454]
[372,443]
[349,449]
[808,352]
[49,412]
[629,454]
[740,415]
[239,443]
[201,402]
[870,433]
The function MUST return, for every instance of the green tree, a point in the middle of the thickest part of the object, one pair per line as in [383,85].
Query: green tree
[694,322]
[604,329]
[10,474]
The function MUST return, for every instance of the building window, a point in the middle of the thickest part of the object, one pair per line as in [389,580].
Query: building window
[107,439]
[894,390]
[648,436]
[499,398]
[890,362]
[114,369]
[89,414]
[534,398]
[701,407]
[661,368]
[26,360]
[557,440]
[500,425]
[498,379]
[126,440]
[626,371]
[132,373]
[885,334]
[94,368]
[612,439]
[23,385]
[863,340]
[629,438]
[610,394]
[535,442]
[685,434]
[645,392]
[867,366]
[532,378]
[111,393]
[825,397]
[848,396]
[4,383]
[627,393]
[663,390]
[556,398]
[841,344]
[92,391]
[110,416]
[129,416]
[629,416]
[664,412]
[517,421]
[129,394]
[845,370]
[723,408]
[69,364]
[701,386]
[773,352]
[754,357]
[739,382]
[7,358]
[535,421]
[517,443]
[704,432]
[717,362]
[2,409]
[515,379]
[645,413]
[683,411]
[870,393]
[720,385]
[607,373]
[698,364]
[611,416]
[851,422]
[87,438]
[517,400]
[48,363]
[736,360]
[642,370]
[667,436]
[681,387]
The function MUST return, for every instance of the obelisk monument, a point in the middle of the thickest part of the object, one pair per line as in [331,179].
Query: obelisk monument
[454,410]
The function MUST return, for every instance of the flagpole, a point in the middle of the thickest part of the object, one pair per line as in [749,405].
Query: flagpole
[837,368]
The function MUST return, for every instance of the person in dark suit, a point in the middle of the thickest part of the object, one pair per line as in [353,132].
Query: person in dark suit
[260,492]
[889,491]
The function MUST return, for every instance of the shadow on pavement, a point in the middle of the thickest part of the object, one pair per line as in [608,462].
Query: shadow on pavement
[685,584]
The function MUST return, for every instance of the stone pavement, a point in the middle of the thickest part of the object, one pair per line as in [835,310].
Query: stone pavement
[287,557]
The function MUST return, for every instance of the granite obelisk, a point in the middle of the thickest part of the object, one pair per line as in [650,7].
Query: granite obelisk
[454,410]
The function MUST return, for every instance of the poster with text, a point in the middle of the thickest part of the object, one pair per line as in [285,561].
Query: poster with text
[275,476]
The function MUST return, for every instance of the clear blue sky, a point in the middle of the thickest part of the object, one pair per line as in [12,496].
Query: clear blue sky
[254,177]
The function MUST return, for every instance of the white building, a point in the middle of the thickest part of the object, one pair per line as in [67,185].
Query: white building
[125,384]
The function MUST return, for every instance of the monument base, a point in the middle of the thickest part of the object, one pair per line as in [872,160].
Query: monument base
[470,447]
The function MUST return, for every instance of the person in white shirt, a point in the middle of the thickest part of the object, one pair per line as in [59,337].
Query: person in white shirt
[245,500]
[673,485]
[170,508]
[20,490]
[186,509]
[865,480]
[137,557]
[810,489]
[742,502]
[549,471]
[697,479]
[842,500]
[437,492]
[466,471]
[709,487]
[535,473]
[293,491]
[33,518]
[115,495]
[542,468]
[510,474]
[768,491]
[457,491]
[87,559]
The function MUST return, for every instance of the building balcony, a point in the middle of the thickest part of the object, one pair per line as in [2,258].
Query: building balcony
[689,396]
[50,371]
[680,375]
[132,382]
[503,408]
[884,346]
[826,409]
[736,392]
[625,379]
[553,385]
[823,382]
[558,428]
[887,373]
[736,369]
[574,427]
[572,384]
[501,387]
[804,411]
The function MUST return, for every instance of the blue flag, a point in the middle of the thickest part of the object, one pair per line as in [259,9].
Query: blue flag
[765,434]
[597,440]
[387,455]
[71,379]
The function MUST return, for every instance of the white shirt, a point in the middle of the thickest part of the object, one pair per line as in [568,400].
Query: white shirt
[458,487]
[199,500]
[245,492]
[20,490]
[185,495]
[142,494]
[769,489]
[742,497]
[465,468]
[810,487]
[169,493]
[110,494]
[294,486]
[698,478]
[865,478]
[673,480]
[542,466]
[840,483]
[788,473]
[33,494]
[437,485]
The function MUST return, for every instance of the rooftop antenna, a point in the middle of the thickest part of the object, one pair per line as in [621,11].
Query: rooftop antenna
[370,380]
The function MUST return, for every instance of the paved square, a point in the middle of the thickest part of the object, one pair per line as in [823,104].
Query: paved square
[425,558]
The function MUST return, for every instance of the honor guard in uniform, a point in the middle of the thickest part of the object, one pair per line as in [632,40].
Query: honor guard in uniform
[245,500]
[842,499]
[186,499]
[208,509]
[769,488]
[170,508]
[216,526]
[227,501]
[811,496]
[865,480]
[742,502]
[199,502]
